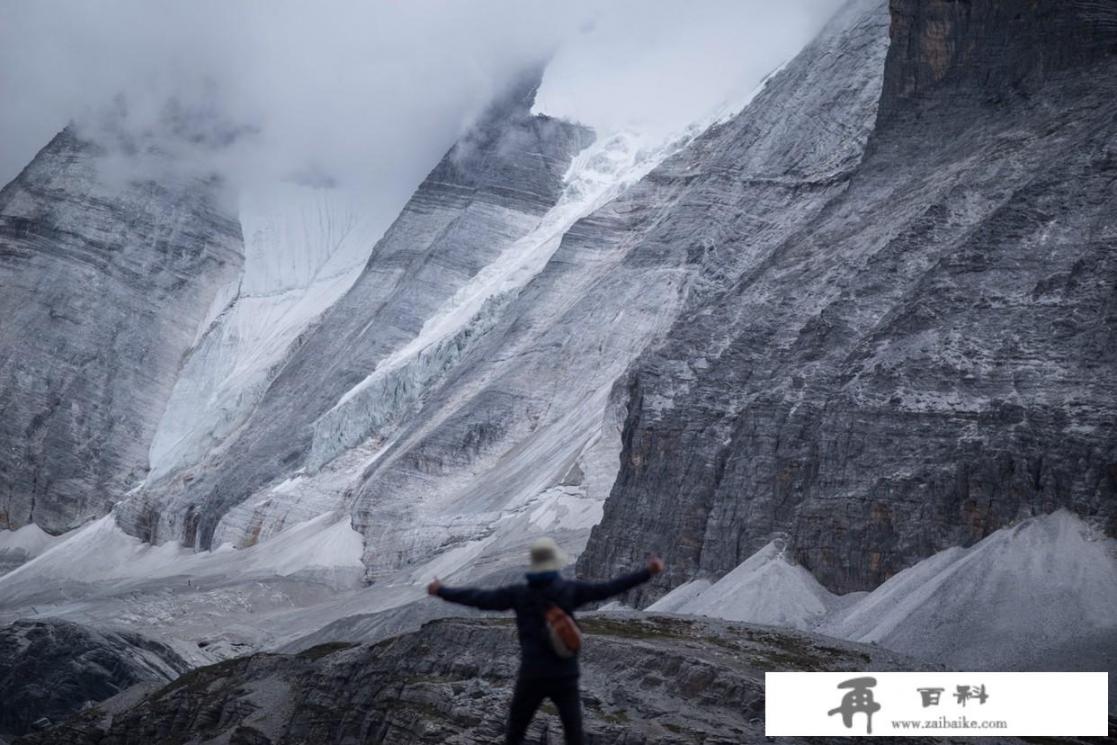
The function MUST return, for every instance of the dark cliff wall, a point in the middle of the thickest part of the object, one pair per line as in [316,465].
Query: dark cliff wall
[993,50]
[102,289]
[931,356]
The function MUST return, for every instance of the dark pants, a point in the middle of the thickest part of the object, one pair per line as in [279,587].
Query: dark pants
[529,694]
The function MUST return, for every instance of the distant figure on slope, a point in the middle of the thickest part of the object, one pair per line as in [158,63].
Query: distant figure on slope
[549,639]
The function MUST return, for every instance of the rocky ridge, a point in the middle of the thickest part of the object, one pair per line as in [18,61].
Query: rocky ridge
[49,669]
[645,680]
[104,281]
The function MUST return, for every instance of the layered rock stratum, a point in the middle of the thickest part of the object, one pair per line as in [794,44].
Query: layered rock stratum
[104,284]
[924,356]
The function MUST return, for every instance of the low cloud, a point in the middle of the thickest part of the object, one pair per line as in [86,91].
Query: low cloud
[658,66]
[363,95]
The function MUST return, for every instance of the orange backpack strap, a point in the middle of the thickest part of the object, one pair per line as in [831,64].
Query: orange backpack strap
[566,637]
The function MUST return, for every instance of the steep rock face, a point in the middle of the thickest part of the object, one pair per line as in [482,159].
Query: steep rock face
[461,397]
[103,287]
[489,190]
[493,423]
[644,680]
[522,435]
[928,358]
[49,669]
[992,51]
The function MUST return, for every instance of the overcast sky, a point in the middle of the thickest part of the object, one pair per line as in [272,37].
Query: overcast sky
[371,93]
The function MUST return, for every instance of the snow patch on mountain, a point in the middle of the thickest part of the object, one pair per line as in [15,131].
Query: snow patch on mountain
[394,388]
[101,556]
[23,544]
[596,176]
[326,543]
[101,551]
[304,248]
[300,497]
[30,539]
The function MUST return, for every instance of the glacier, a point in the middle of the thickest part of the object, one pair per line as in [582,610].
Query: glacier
[291,546]
[304,247]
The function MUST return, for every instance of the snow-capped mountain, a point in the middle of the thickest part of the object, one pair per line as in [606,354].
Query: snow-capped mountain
[290,385]
[836,351]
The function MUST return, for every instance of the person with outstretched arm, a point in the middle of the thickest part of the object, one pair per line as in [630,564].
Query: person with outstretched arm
[546,670]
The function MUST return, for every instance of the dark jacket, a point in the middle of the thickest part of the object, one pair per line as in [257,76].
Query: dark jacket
[530,601]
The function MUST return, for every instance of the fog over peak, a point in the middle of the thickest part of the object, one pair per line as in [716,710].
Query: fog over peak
[359,95]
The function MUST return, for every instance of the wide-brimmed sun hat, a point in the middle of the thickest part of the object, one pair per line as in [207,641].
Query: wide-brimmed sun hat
[546,556]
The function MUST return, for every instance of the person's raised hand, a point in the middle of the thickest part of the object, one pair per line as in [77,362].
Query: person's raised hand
[434,587]
[655,564]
